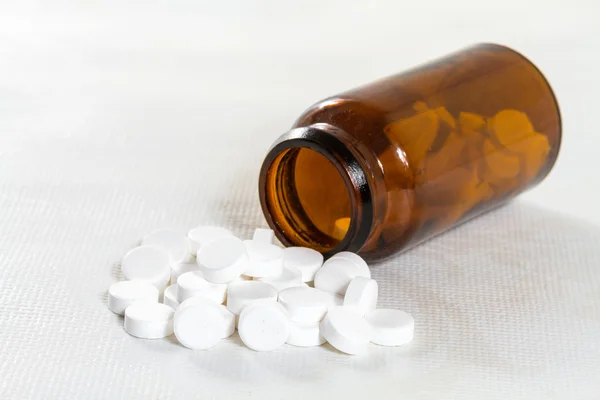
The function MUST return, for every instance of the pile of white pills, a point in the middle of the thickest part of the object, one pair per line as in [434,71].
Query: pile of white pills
[212,283]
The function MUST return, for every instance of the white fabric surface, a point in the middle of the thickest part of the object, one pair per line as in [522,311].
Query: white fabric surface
[117,119]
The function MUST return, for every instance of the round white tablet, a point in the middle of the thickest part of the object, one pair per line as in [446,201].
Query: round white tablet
[306,304]
[173,242]
[179,269]
[170,297]
[122,294]
[228,317]
[201,235]
[149,264]
[362,294]
[265,259]
[222,260]
[149,320]
[308,261]
[335,275]
[289,277]
[305,334]
[241,294]
[391,327]
[199,324]
[192,284]
[346,330]
[355,258]
[262,235]
[264,326]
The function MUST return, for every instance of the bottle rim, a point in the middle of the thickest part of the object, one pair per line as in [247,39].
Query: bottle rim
[331,142]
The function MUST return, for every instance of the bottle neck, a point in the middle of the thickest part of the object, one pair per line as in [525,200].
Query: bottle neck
[310,179]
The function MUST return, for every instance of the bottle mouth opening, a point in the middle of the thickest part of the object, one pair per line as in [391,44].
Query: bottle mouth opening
[314,193]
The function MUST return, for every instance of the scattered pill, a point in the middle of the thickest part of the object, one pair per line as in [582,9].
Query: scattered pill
[355,258]
[228,317]
[265,259]
[199,324]
[362,294]
[264,326]
[305,334]
[262,235]
[222,260]
[308,261]
[391,327]
[346,330]
[170,297]
[201,235]
[306,304]
[241,294]
[173,242]
[336,275]
[149,320]
[289,277]
[272,295]
[181,268]
[192,284]
[122,294]
[149,264]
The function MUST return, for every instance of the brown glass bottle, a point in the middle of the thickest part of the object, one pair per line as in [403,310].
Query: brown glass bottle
[381,168]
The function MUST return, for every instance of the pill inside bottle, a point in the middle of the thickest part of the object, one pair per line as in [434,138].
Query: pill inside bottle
[379,169]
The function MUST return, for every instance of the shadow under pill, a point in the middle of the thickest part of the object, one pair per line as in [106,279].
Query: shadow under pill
[103,297]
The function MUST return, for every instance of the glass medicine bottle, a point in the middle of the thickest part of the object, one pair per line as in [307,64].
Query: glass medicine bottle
[381,168]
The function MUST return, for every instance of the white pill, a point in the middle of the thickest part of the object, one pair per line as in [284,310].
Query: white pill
[306,304]
[362,294]
[241,294]
[335,275]
[289,277]
[263,235]
[199,324]
[305,334]
[170,297]
[355,258]
[192,284]
[201,235]
[122,294]
[228,317]
[265,259]
[308,261]
[173,242]
[179,269]
[264,326]
[149,320]
[346,330]
[222,260]
[391,327]
[149,264]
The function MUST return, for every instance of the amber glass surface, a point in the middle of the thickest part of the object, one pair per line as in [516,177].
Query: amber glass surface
[437,145]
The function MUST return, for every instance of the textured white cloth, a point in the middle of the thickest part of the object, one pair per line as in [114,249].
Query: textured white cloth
[117,120]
